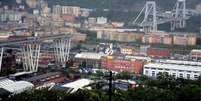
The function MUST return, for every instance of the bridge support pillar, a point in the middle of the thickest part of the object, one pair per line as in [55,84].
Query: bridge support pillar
[62,50]
[180,15]
[1,57]
[31,54]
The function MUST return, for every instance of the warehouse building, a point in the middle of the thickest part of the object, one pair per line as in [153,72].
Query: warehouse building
[78,84]
[15,87]
[122,64]
[89,59]
[51,77]
[176,70]
[158,53]
[195,54]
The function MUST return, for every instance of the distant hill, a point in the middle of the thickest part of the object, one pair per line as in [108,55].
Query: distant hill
[123,10]
[132,5]
[121,4]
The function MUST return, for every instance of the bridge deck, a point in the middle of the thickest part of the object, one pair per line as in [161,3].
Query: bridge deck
[33,39]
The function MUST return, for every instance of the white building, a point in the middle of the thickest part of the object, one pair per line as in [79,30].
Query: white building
[92,20]
[4,35]
[14,17]
[71,10]
[195,54]
[180,62]
[91,59]
[15,87]
[18,1]
[3,17]
[36,12]
[176,70]
[31,3]
[79,84]
[101,20]
[89,55]
[56,10]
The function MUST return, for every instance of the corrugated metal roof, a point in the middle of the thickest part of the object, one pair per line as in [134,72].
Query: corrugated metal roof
[18,87]
[180,62]
[15,87]
[78,84]
[5,81]
[43,76]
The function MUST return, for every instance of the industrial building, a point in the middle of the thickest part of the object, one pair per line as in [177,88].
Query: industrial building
[195,54]
[15,87]
[70,10]
[158,53]
[122,64]
[78,84]
[176,70]
[119,36]
[52,77]
[170,38]
[127,50]
[91,59]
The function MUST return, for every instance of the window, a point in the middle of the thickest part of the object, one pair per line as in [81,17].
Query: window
[181,75]
[166,73]
[159,73]
[153,73]
[167,69]
[196,76]
[195,72]
[189,71]
[188,76]
[174,74]
[146,67]
[146,72]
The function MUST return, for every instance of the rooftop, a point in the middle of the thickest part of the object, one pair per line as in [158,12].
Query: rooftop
[21,73]
[18,87]
[43,76]
[196,50]
[15,87]
[89,55]
[78,84]
[180,62]
[174,66]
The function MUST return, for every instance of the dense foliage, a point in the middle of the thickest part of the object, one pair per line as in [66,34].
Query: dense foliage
[164,88]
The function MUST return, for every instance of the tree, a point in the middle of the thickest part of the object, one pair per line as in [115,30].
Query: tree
[158,89]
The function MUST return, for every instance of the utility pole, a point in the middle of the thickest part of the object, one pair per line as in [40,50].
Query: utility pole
[110,86]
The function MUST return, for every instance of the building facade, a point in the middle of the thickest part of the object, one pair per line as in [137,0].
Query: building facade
[170,38]
[56,9]
[176,70]
[158,53]
[126,50]
[120,36]
[88,59]
[101,20]
[195,54]
[70,10]
[120,64]
[184,39]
